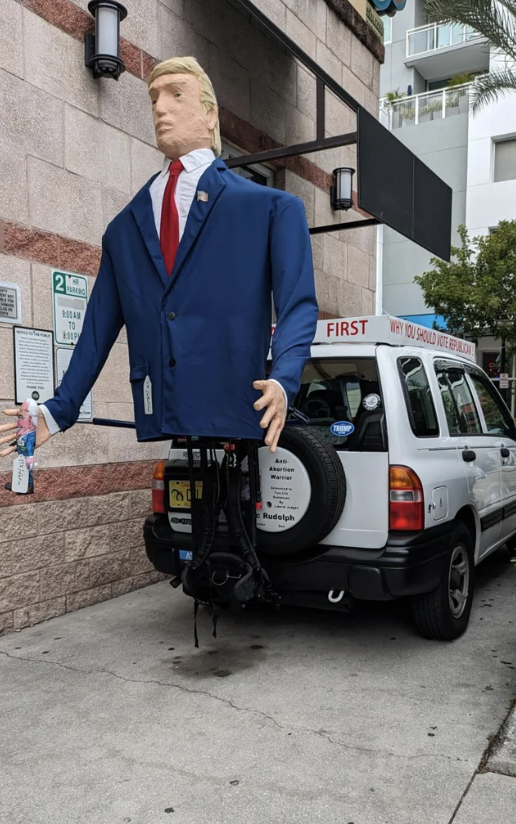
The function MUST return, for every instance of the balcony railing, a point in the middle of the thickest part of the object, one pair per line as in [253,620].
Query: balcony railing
[437,36]
[423,108]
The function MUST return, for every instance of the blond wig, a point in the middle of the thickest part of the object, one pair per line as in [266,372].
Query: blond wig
[189,65]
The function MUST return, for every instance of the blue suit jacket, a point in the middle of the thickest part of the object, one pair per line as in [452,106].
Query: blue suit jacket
[202,335]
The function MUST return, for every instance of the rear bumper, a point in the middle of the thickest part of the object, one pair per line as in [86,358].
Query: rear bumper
[408,565]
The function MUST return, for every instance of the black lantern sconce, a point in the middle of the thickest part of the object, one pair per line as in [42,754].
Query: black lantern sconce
[341,192]
[102,49]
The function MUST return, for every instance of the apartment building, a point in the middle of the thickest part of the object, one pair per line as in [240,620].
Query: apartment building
[424,91]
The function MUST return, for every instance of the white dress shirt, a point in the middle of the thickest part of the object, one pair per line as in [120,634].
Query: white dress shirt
[194,164]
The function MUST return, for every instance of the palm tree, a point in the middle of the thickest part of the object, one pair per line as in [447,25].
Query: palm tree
[393,97]
[494,20]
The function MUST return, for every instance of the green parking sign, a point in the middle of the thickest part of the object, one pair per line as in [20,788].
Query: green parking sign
[70,298]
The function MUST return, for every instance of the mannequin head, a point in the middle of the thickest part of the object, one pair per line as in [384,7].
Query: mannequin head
[184,108]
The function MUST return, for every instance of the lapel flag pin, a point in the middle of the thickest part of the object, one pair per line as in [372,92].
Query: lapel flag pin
[202,196]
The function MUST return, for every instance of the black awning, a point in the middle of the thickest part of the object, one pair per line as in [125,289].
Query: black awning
[394,185]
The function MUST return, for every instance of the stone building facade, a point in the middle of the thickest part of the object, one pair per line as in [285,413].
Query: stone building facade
[73,151]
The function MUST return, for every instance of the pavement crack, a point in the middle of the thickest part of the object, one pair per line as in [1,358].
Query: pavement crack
[169,684]
[368,750]
[227,701]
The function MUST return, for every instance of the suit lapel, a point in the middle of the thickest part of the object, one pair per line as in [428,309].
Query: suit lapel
[141,208]
[212,184]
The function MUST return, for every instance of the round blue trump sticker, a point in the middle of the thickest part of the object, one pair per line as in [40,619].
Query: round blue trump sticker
[342,428]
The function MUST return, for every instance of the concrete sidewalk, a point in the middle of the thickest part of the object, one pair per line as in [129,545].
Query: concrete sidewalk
[492,794]
[110,716]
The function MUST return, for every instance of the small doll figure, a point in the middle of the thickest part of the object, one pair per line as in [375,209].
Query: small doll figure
[26,436]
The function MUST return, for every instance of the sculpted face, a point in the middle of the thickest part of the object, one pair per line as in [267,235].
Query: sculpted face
[180,122]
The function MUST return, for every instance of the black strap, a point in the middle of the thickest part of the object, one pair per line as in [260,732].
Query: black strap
[208,510]
[195,611]
[251,579]
[235,517]
[215,614]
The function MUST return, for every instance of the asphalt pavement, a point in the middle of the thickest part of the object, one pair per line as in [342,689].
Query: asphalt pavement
[110,715]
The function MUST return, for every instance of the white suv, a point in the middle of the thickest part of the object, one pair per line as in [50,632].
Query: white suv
[403,480]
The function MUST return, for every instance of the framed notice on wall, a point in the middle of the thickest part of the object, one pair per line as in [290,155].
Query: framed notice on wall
[33,364]
[10,303]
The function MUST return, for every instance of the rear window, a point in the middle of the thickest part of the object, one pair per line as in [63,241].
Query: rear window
[418,396]
[343,401]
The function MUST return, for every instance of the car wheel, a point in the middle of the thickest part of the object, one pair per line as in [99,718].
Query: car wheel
[511,546]
[443,614]
[303,489]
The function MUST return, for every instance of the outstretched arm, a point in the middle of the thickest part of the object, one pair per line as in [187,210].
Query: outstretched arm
[296,308]
[102,323]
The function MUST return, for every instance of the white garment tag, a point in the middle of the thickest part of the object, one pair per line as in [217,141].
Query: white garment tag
[20,480]
[147,396]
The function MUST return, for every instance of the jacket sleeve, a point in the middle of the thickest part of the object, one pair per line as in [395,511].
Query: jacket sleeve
[293,290]
[102,323]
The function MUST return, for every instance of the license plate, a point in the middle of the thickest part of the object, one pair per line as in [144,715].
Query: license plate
[185,555]
[180,494]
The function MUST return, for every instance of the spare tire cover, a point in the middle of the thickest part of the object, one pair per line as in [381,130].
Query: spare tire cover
[303,492]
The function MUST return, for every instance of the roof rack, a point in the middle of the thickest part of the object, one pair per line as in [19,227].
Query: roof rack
[393,331]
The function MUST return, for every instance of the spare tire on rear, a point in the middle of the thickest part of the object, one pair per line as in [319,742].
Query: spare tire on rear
[303,490]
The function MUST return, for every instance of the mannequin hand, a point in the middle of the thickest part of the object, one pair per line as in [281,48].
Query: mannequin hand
[8,431]
[273,420]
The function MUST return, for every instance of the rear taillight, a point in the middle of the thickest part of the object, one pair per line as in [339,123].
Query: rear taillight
[406,500]
[158,488]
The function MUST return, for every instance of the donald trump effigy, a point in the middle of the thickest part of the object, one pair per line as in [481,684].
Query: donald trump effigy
[189,266]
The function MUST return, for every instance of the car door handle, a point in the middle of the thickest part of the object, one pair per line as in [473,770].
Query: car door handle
[468,455]
[504,452]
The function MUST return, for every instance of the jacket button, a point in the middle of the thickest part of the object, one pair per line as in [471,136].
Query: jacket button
[172,362]
[171,315]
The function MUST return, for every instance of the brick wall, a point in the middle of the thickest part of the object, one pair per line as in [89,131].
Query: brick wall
[77,542]
[73,151]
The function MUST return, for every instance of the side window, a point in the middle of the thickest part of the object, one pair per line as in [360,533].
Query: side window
[450,410]
[418,395]
[497,417]
[459,403]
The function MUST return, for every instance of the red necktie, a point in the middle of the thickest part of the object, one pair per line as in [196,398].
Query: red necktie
[169,229]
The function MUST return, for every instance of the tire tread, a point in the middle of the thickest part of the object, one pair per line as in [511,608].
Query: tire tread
[431,609]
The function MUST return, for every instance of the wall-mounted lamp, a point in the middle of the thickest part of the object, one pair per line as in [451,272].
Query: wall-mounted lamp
[341,192]
[389,7]
[102,49]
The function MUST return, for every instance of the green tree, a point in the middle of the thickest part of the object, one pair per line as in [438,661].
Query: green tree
[493,19]
[392,97]
[476,291]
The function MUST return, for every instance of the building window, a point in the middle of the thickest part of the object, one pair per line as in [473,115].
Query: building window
[437,85]
[418,396]
[387,30]
[491,360]
[505,160]
[257,172]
